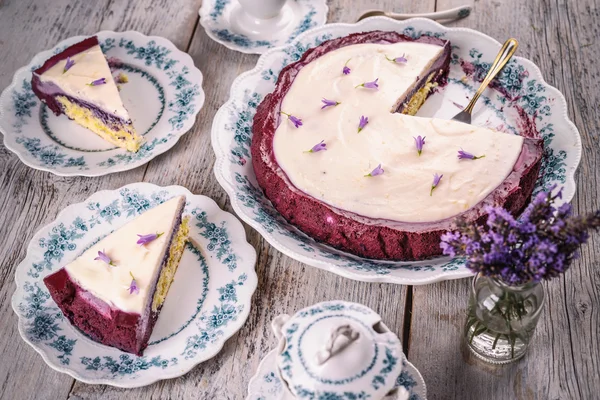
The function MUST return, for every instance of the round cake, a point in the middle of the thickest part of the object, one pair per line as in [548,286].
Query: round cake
[338,151]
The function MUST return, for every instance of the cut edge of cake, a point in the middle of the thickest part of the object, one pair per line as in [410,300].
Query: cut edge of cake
[106,324]
[110,127]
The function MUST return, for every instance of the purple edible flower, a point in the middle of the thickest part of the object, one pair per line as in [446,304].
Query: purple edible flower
[318,147]
[419,142]
[296,121]
[398,60]
[377,171]
[369,85]
[329,103]
[362,123]
[539,245]
[346,70]
[97,82]
[145,239]
[436,181]
[133,287]
[68,65]
[103,257]
[465,155]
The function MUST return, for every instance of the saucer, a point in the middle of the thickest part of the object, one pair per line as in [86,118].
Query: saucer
[226,22]
[266,384]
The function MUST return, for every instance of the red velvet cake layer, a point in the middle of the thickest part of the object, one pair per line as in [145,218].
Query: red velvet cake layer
[46,92]
[94,317]
[367,237]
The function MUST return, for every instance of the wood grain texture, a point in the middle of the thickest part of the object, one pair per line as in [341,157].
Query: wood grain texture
[563,363]
[564,360]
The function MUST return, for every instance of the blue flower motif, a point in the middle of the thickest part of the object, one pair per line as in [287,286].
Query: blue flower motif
[222,315]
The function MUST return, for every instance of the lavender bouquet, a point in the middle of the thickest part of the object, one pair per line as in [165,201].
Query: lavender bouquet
[511,256]
[539,245]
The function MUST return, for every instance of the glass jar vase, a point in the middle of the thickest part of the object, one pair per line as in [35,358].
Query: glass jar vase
[501,319]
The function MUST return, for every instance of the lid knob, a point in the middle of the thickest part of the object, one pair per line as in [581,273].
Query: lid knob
[330,349]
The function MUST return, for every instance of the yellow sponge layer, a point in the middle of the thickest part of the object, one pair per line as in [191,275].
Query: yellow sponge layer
[419,98]
[126,137]
[168,272]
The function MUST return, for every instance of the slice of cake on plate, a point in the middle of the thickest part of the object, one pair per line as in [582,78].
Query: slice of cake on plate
[114,291]
[337,150]
[78,82]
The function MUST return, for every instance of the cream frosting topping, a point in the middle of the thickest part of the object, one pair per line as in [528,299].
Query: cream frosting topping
[89,66]
[111,283]
[336,176]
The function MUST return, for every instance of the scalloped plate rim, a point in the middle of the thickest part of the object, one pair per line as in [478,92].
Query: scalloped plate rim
[221,159]
[252,282]
[45,54]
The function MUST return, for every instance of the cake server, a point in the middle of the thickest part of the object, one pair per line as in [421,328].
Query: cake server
[505,54]
[454,13]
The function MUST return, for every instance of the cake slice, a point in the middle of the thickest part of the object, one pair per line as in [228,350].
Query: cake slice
[114,291]
[78,82]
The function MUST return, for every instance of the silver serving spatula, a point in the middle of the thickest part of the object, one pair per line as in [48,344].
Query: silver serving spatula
[505,54]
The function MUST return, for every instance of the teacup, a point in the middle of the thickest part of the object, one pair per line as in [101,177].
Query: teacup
[262,9]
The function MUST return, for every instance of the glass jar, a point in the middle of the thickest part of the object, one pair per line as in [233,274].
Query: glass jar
[501,319]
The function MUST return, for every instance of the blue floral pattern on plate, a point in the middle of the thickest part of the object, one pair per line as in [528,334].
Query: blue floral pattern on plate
[266,383]
[214,286]
[519,101]
[163,97]
[215,17]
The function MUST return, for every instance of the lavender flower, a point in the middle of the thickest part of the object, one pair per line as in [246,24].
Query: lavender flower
[362,123]
[329,103]
[102,256]
[133,287]
[419,142]
[436,181]
[465,155]
[539,245]
[97,82]
[68,65]
[346,70]
[397,60]
[377,171]
[318,147]
[145,239]
[369,85]
[296,121]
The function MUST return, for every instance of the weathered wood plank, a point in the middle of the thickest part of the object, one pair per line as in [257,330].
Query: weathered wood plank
[30,199]
[559,36]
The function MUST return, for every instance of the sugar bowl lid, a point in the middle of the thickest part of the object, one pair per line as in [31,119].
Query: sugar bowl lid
[338,348]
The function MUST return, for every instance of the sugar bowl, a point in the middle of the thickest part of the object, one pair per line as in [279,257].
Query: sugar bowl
[337,349]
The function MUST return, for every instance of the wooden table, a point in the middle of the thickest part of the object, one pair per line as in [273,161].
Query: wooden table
[560,36]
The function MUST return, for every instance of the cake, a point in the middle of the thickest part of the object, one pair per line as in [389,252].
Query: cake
[114,291]
[338,151]
[78,82]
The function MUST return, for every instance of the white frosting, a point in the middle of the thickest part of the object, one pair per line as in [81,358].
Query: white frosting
[337,176]
[111,283]
[89,66]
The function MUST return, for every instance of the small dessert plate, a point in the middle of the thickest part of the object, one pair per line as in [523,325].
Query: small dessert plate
[266,384]
[208,302]
[163,96]
[255,26]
